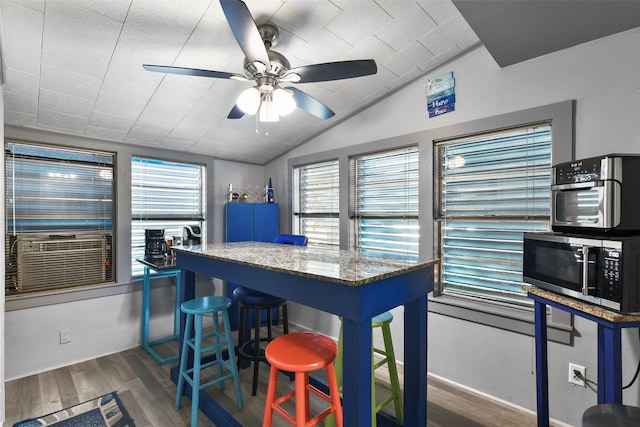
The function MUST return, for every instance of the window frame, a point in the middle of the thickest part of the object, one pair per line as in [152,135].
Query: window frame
[522,217]
[355,215]
[298,216]
[187,219]
[517,319]
[79,229]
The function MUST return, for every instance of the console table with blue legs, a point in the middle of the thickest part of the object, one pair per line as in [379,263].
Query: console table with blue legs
[159,270]
[350,284]
[610,325]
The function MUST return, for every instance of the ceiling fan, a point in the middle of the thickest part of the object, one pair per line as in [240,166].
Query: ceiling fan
[270,70]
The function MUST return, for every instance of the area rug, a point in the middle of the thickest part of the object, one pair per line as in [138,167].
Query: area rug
[103,411]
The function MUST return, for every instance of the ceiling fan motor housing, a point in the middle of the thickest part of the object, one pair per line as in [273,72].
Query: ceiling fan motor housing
[278,65]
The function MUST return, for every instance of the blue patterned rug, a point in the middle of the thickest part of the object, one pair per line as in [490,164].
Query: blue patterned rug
[103,411]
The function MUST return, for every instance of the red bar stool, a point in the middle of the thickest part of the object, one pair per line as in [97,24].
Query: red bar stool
[301,353]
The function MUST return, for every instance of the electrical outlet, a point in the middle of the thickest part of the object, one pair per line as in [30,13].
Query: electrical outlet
[65,336]
[577,375]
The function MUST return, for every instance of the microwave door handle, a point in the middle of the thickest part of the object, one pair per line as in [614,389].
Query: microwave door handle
[577,185]
[585,270]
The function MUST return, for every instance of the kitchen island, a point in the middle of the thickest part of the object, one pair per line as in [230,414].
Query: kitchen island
[347,283]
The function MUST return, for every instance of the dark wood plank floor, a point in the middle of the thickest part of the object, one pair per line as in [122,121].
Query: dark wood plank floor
[148,395]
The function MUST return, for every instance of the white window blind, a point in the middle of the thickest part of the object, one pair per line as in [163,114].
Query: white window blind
[164,195]
[59,217]
[384,202]
[490,189]
[316,192]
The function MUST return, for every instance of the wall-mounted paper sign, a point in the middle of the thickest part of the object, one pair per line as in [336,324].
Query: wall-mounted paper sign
[441,97]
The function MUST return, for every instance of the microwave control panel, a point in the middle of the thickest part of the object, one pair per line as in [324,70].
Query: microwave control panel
[578,171]
[611,269]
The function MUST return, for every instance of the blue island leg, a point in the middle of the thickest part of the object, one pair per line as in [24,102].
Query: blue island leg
[415,362]
[356,380]
[609,364]
[542,373]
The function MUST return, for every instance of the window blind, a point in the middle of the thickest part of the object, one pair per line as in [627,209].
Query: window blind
[164,195]
[316,203]
[59,217]
[490,189]
[384,202]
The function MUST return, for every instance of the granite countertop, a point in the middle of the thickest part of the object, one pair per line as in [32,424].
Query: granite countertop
[338,266]
[576,304]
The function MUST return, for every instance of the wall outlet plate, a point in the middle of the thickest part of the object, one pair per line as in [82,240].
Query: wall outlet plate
[65,336]
[577,375]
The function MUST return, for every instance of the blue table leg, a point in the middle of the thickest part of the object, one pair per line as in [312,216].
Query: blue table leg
[146,308]
[542,375]
[415,362]
[356,370]
[609,364]
[146,298]
[176,318]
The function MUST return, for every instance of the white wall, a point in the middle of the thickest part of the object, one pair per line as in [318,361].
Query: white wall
[603,77]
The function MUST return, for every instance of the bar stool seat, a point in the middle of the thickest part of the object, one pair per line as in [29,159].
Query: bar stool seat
[254,302]
[197,308]
[301,353]
[382,321]
[611,415]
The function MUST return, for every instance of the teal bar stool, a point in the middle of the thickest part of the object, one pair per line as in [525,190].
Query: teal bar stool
[388,358]
[198,308]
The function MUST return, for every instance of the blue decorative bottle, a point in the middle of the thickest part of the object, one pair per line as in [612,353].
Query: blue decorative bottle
[270,192]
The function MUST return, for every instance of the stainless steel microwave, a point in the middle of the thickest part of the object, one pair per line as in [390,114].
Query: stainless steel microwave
[602,271]
[599,195]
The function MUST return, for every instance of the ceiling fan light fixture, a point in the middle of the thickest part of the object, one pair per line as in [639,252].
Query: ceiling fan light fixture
[249,101]
[268,111]
[283,101]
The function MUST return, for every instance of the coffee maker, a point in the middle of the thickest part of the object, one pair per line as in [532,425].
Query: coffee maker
[155,247]
[192,235]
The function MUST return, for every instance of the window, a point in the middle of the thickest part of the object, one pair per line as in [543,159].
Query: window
[59,217]
[164,195]
[316,193]
[384,202]
[489,189]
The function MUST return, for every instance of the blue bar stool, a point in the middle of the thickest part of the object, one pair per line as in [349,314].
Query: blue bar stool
[198,308]
[611,415]
[253,302]
[250,348]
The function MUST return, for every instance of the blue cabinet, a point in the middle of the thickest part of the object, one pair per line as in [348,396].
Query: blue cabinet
[251,221]
[246,222]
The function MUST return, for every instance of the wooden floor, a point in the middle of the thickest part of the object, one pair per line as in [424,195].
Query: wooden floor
[148,394]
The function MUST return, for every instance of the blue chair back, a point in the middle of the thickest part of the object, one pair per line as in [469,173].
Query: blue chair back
[291,239]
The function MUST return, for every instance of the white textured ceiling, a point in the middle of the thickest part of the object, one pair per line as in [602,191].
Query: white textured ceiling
[75,66]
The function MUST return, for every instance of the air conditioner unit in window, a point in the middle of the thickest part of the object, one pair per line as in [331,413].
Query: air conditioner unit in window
[62,261]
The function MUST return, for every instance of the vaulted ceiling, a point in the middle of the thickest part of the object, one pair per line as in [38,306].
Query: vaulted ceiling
[75,66]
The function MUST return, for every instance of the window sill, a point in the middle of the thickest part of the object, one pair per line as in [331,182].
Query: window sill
[514,319]
[40,299]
